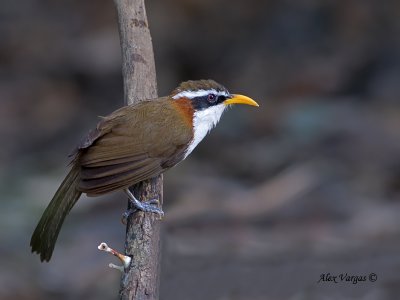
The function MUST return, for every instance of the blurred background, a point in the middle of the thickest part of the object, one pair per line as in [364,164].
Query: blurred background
[308,184]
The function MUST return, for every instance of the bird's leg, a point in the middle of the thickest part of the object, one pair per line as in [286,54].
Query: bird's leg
[147,206]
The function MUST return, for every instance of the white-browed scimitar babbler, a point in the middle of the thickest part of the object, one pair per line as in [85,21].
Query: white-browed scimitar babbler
[135,143]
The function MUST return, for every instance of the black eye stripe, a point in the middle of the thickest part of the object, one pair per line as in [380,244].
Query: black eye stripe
[203,102]
[222,98]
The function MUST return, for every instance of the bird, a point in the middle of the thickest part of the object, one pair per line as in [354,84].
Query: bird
[132,144]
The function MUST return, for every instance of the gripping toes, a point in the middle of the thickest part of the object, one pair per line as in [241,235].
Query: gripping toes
[146,206]
[152,206]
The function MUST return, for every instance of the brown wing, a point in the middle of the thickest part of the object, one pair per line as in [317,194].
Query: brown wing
[132,144]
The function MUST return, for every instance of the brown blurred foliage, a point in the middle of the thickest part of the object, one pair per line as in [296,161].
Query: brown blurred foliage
[307,184]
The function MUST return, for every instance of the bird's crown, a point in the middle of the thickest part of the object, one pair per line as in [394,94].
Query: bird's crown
[198,88]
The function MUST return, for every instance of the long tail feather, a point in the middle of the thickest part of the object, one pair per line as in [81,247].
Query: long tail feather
[45,235]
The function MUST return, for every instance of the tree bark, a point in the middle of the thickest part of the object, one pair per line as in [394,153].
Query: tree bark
[142,243]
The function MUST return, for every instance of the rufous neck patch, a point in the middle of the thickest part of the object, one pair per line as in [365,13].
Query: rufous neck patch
[185,109]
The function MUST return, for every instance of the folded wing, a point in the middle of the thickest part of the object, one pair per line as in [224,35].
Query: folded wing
[127,147]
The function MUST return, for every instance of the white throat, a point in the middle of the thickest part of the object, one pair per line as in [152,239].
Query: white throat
[203,122]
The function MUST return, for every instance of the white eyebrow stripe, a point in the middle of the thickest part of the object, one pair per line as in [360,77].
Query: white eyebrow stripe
[199,93]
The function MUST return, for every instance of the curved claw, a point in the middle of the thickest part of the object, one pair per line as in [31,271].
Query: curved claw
[126,214]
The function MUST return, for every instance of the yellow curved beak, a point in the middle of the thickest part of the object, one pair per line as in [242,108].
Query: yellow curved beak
[240,99]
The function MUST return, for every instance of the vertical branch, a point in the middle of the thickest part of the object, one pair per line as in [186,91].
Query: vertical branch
[138,67]
[141,279]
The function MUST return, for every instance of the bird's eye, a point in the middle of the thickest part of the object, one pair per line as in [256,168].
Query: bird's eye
[211,98]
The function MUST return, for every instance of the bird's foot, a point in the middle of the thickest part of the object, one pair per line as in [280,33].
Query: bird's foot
[146,206]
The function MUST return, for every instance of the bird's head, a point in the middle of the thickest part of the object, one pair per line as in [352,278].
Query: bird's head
[207,100]
[209,95]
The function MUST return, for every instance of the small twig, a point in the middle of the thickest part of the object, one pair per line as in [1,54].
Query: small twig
[119,268]
[126,260]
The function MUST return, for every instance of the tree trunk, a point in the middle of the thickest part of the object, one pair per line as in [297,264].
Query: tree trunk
[142,243]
